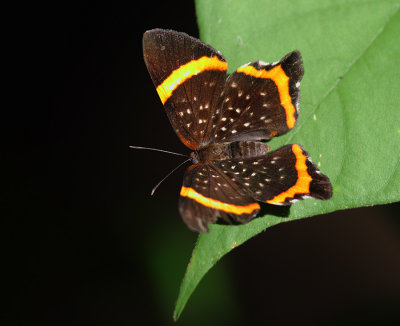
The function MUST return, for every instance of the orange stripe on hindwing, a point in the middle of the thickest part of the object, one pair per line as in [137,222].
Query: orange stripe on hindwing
[302,185]
[186,71]
[281,80]
[216,204]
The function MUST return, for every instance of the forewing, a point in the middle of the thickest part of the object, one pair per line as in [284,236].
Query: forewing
[260,100]
[208,194]
[189,76]
[280,177]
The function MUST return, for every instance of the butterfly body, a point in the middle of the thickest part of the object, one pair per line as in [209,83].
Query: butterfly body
[229,150]
[224,121]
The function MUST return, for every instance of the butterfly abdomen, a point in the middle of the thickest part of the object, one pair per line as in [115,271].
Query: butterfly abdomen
[225,151]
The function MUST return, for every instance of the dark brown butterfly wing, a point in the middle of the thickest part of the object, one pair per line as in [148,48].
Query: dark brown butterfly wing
[280,177]
[260,100]
[189,76]
[207,194]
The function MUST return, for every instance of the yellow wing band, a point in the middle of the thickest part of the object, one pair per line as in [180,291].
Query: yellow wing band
[216,204]
[281,80]
[186,71]
[302,185]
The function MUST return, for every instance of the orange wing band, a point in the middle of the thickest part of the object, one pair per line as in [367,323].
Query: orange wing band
[302,185]
[216,204]
[186,71]
[281,80]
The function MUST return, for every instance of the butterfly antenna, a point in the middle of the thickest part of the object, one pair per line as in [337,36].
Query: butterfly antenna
[157,150]
[156,186]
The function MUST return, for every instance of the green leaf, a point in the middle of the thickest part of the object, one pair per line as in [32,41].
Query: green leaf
[350,114]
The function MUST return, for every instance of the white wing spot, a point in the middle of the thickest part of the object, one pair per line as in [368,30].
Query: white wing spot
[297,84]
[237,110]
[212,84]
[282,176]
[233,85]
[267,179]
[234,131]
[194,98]
[188,111]
[240,93]
[201,107]
[246,124]
[247,97]
[226,100]
[247,184]
[223,128]
[253,174]
[231,119]
[207,105]
[181,113]
[200,121]
[263,93]
[263,117]
[188,124]
[233,167]
[261,184]
[255,163]
[223,119]
[230,108]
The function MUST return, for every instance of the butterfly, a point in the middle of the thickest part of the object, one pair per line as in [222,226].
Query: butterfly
[225,120]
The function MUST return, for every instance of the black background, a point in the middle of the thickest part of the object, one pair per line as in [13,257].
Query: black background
[90,246]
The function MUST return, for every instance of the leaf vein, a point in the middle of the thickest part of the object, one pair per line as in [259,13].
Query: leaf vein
[336,83]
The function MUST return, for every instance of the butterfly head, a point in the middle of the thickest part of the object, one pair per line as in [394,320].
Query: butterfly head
[195,157]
